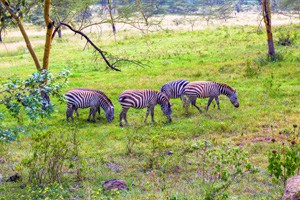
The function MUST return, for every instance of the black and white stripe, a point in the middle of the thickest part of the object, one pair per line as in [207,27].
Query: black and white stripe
[211,90]
[174,89]
[89,98]
[141,99]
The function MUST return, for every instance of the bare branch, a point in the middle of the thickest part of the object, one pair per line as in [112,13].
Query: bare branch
[89,41]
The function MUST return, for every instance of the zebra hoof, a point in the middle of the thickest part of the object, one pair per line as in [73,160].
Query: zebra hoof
[121,125]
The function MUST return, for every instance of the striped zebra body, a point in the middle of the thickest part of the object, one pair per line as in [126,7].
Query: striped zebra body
[174,89]
[141,99]
[89,98]
[211,90]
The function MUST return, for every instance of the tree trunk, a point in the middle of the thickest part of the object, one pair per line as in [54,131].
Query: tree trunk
[59,33]
[140,7]
[111,16]
[1,30]
[266,11]
[24,34]
[50,26]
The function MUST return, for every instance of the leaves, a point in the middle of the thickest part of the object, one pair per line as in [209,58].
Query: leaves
[285,162]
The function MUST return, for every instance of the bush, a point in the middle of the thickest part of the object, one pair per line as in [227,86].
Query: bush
[286,40]
[220,167]
[30,96]
[53,153]
[284,161]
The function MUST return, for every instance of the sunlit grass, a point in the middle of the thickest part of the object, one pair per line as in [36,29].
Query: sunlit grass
[268,95]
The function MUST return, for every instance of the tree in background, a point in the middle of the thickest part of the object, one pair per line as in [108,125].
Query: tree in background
[290,5]
[266,12]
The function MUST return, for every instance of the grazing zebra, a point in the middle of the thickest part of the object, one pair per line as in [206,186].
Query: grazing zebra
[94,99]
[211,90]
[174,89]
[141,99]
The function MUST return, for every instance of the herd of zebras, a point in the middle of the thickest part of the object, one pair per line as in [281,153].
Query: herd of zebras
[187,91]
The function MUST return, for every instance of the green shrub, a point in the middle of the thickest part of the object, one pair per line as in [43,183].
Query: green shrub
[286,39]
[284,161]
[220,167]
[53,153]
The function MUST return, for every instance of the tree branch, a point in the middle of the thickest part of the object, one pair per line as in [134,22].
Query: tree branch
[89,41]
[24,34]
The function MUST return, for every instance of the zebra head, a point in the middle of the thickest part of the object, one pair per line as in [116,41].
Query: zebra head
[109,113]
[234,100]
[165,105]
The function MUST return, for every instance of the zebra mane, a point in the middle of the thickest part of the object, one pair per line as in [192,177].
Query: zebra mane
[227,86]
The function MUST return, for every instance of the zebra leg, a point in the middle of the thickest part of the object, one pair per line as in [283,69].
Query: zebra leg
[193,102]
[186,105]
[76,110]
[209,102]
[92,112]
[98,110]
[218,102]
[147,114]
[123,115]
[152,114]
[69,113]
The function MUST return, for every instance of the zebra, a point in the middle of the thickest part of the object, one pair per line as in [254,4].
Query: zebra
[141,99]
[174,89]
[211,90]
[84,98]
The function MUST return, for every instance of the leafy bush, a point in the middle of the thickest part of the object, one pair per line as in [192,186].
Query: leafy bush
[30,96]
[220,167]
[284,161]
[286,40]
[53,152]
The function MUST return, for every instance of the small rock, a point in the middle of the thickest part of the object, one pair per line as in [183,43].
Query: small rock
[113,166]
[168,152]
[23,185]
[292,189]
[115,184]
[14,178]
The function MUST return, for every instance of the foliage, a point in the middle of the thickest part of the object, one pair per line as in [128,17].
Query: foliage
[52,191]
[286,39]
[284,161]
[220,167]
[29,93]
[8,135]
[53,152]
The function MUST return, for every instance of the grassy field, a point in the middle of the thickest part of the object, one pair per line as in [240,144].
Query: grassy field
[268,93]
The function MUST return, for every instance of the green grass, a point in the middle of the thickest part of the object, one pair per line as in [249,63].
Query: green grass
[268,93]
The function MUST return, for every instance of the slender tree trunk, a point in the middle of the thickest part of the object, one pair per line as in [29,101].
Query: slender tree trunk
[1,30]
[59,32]
[50,27]
[140,7]
[24,34]
[266,11]
[111,16]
